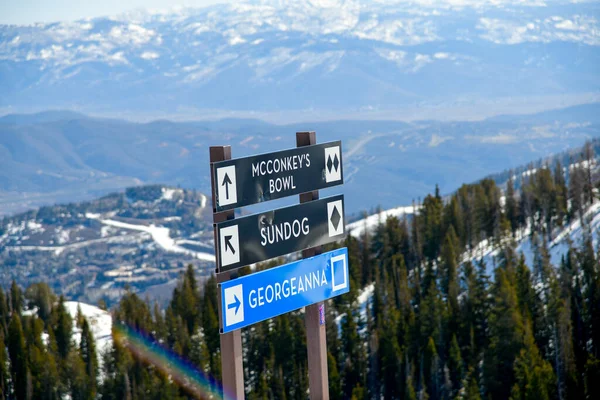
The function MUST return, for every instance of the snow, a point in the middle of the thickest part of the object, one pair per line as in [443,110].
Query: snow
[35,226]
[62,235]
[106,231]
[557,247]
[161,236]
[357,228]
[363,301]
[100,322]
[168,194]
[574,232]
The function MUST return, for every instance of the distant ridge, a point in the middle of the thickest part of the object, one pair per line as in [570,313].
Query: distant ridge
[41,117]
[583,112]
[66,156]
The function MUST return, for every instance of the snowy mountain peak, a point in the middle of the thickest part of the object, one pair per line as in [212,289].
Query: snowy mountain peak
[331,54]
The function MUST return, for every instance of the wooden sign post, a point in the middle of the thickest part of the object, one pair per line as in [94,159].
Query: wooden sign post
[232,362]
[308,282]
[316,343]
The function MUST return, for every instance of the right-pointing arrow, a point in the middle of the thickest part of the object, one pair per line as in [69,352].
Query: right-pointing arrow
[236,304]
[228,243]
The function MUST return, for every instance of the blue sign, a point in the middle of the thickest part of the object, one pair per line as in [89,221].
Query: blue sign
[267,294]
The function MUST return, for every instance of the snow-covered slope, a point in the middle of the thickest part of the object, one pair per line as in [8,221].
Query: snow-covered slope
[357,56]
[160,235]
[100,324]
[573,233]
[357,228]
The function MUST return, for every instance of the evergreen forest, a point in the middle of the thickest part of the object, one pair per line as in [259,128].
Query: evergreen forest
[426,316]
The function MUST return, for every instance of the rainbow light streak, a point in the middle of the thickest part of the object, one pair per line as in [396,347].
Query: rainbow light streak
[171,364]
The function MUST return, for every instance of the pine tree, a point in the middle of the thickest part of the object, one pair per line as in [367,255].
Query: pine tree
[18,357]
[62,326]
[42,366]
[526,294]
[4,313]
[561,194]
[354,366]
[390,356]
[40,296]
[366,261]
[534,377]
[432,225]
[186,300]
[506,338]
[588,187]
[568,384]
[87,351]
[335,387]
[4,374]
[512,209]
[576,192]
[160,327]
[16,298]
[431,370]
[417,242]
[431,313]
[79,318]
[472,392]
[454,217]
[592,377]
[474,313]
[56,367]
[450,283]
[455,365]
[409,391]
[79,385]
[210,323]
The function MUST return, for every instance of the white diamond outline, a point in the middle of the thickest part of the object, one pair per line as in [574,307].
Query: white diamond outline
[341,257]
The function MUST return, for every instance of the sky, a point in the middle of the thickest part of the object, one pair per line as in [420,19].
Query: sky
[21,12]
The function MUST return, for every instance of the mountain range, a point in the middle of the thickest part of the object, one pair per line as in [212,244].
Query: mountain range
[61,157]
[328,59]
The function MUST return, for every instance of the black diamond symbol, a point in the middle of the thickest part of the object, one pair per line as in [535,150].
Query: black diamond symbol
[335,217]
[336,162]
[329,163]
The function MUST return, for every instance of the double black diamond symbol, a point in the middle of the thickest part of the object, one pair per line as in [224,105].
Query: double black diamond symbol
[335,163]
[335,217]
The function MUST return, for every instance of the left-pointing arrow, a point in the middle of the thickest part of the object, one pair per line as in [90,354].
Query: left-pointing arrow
[236,304]
[228,243]
[226,183]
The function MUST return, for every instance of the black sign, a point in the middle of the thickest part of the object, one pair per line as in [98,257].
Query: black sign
[250,180]
[261,236]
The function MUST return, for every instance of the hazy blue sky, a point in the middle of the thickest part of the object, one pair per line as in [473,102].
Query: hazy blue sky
[30,11]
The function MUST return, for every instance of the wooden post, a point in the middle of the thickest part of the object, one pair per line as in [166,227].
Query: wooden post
[316,343]
[232,363]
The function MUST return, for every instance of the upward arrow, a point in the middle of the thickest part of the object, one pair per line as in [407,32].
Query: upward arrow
[226,183]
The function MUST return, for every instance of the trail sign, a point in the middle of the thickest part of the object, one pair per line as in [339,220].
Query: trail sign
[266,294]
[261,236]
[250,180]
